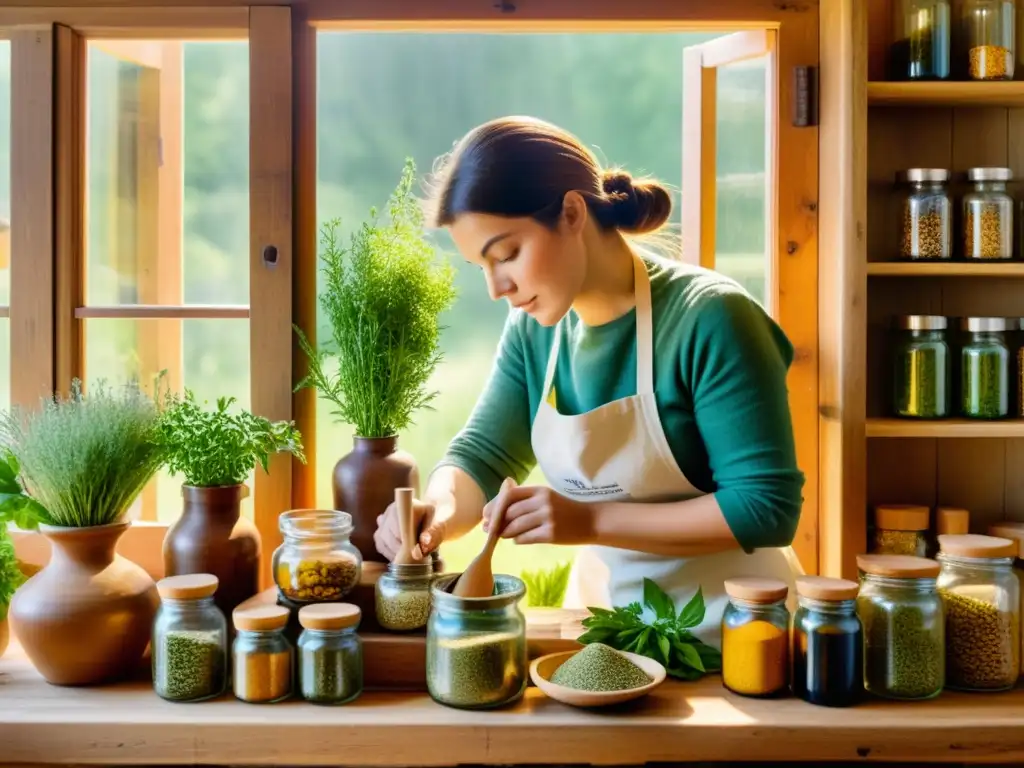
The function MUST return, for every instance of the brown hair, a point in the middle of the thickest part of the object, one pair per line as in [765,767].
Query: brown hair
[521,166]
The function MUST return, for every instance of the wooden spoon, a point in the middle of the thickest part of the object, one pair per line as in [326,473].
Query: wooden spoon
[406,525]
[478,579]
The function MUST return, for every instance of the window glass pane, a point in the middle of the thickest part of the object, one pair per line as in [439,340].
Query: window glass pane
[5,184]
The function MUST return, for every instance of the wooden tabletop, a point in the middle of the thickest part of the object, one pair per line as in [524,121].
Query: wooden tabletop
[128,724]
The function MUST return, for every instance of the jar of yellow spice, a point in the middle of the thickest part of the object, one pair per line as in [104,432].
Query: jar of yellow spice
[900,529]
[263,657]
[317,561]
[755,637]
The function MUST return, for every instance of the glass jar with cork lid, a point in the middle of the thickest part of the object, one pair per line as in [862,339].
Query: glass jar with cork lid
[900,529]
[988,31]
[190,640]
[1015,533]
[402,595]
[988,215]
[317,561]
[921,370]
[755,637]
[926,224]
[949,521]
[827,642]
[904,628]
[330,653]
[263,657]
[982,603]
[984,369]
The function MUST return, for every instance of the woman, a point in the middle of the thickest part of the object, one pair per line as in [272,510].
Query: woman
[651,393]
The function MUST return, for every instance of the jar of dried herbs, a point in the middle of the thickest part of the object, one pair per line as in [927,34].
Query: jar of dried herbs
[827,642]
[988,215]
[989,28]
[755,637]
[402,596]
[982,600]
[904,627]
[926,223]
[900,529]
[263,657]
[190,640]
[921,367]
[984,369]
[330,653]
[317,561]
[1015,533]
[476,647]
[921,40]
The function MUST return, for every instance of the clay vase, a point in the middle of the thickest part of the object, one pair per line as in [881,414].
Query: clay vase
[86,617]
[364,485]
[211,536]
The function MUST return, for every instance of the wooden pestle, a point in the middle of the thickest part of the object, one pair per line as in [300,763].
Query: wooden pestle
[407,526]
[478,579]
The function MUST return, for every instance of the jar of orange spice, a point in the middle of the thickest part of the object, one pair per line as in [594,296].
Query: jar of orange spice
[263,657]
[755,637]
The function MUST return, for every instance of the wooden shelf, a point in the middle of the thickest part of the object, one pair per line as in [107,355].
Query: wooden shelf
[946,94]
[946,428]
[945,269]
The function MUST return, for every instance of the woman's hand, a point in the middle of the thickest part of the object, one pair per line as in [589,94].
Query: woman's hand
[388,536]
[540,515]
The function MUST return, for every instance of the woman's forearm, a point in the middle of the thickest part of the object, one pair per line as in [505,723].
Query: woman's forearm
[457,499]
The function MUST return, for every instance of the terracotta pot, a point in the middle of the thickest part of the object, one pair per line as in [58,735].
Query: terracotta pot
[5,636]
[86,617]
[364,484]
[211,536]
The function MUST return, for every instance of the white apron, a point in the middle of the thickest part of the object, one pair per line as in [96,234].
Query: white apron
[619,452]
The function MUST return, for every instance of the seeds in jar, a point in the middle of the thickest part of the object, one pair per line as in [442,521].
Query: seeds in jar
[263,676]
[477,670]
[599,667]
[403,610]
[982,643]
[189,665]
[925,235]
[313,580]
[989,62]
[985,383]
[920,383]
[330,675]
[898,543]
[983,232]
[904,658]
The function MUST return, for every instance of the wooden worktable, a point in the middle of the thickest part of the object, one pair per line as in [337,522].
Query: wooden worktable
[128,724]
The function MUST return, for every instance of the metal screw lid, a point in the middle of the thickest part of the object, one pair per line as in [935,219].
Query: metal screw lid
[983,324]
[922,174]
[989,174]
[922,323]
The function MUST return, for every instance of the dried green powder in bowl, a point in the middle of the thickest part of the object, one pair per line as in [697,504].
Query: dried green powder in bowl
[599,668]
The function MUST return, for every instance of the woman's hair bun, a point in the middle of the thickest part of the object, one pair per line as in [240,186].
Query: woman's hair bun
[638,206]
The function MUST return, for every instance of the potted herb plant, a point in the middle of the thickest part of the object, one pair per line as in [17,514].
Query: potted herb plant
[22,510]
[86,616]
[383,297]
[214,450]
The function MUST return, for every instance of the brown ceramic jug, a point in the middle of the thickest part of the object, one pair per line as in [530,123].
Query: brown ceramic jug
[364,484]
[211,536]
[87,616]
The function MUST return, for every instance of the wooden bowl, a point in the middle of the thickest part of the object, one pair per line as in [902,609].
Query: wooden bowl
[544,667]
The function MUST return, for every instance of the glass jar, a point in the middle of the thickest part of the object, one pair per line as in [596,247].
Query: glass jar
[1015,533]
[985,369]
[926,226]
[904,628]
[190,640]
[476,647]
[755,637]
[989,28]
[402,596]
[827,649]
[317,561]
[988,215]
[1015,343]
[263,657]
[982,600]
[921,31]
[900,529]
[330,653]
[921,367]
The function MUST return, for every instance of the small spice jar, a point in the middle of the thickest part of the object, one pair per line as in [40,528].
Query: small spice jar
[904,628]
[921,367]
[263,657]
[984,369]
[921,31]
[317,561]
[988,215]
[989,28]
[982,600]
[190,640]
[330,653]
[1015,533]
[755,637]
[402,596]
[827,648]
[900,529]
[1015,343]
[927,222]
[476,647]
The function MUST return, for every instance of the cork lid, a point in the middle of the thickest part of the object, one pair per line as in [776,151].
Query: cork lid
[901,517]
[192,586]
[263,617]
[826,588]
[898,566]
[952,520]
[329,616]
[756,590]
[976,545]
[1012,531]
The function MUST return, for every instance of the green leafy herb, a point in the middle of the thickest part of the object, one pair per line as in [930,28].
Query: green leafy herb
[546,589]
[219,447]
[11,576]
[666,639]
[15,505]
[383,297]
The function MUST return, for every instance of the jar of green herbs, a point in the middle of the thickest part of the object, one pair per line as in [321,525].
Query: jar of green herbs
[190,640]
[900,529]
[921,367]
[330,653]
[904,627]
[476,647]
[402,596]
[982,600]
[984,365]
